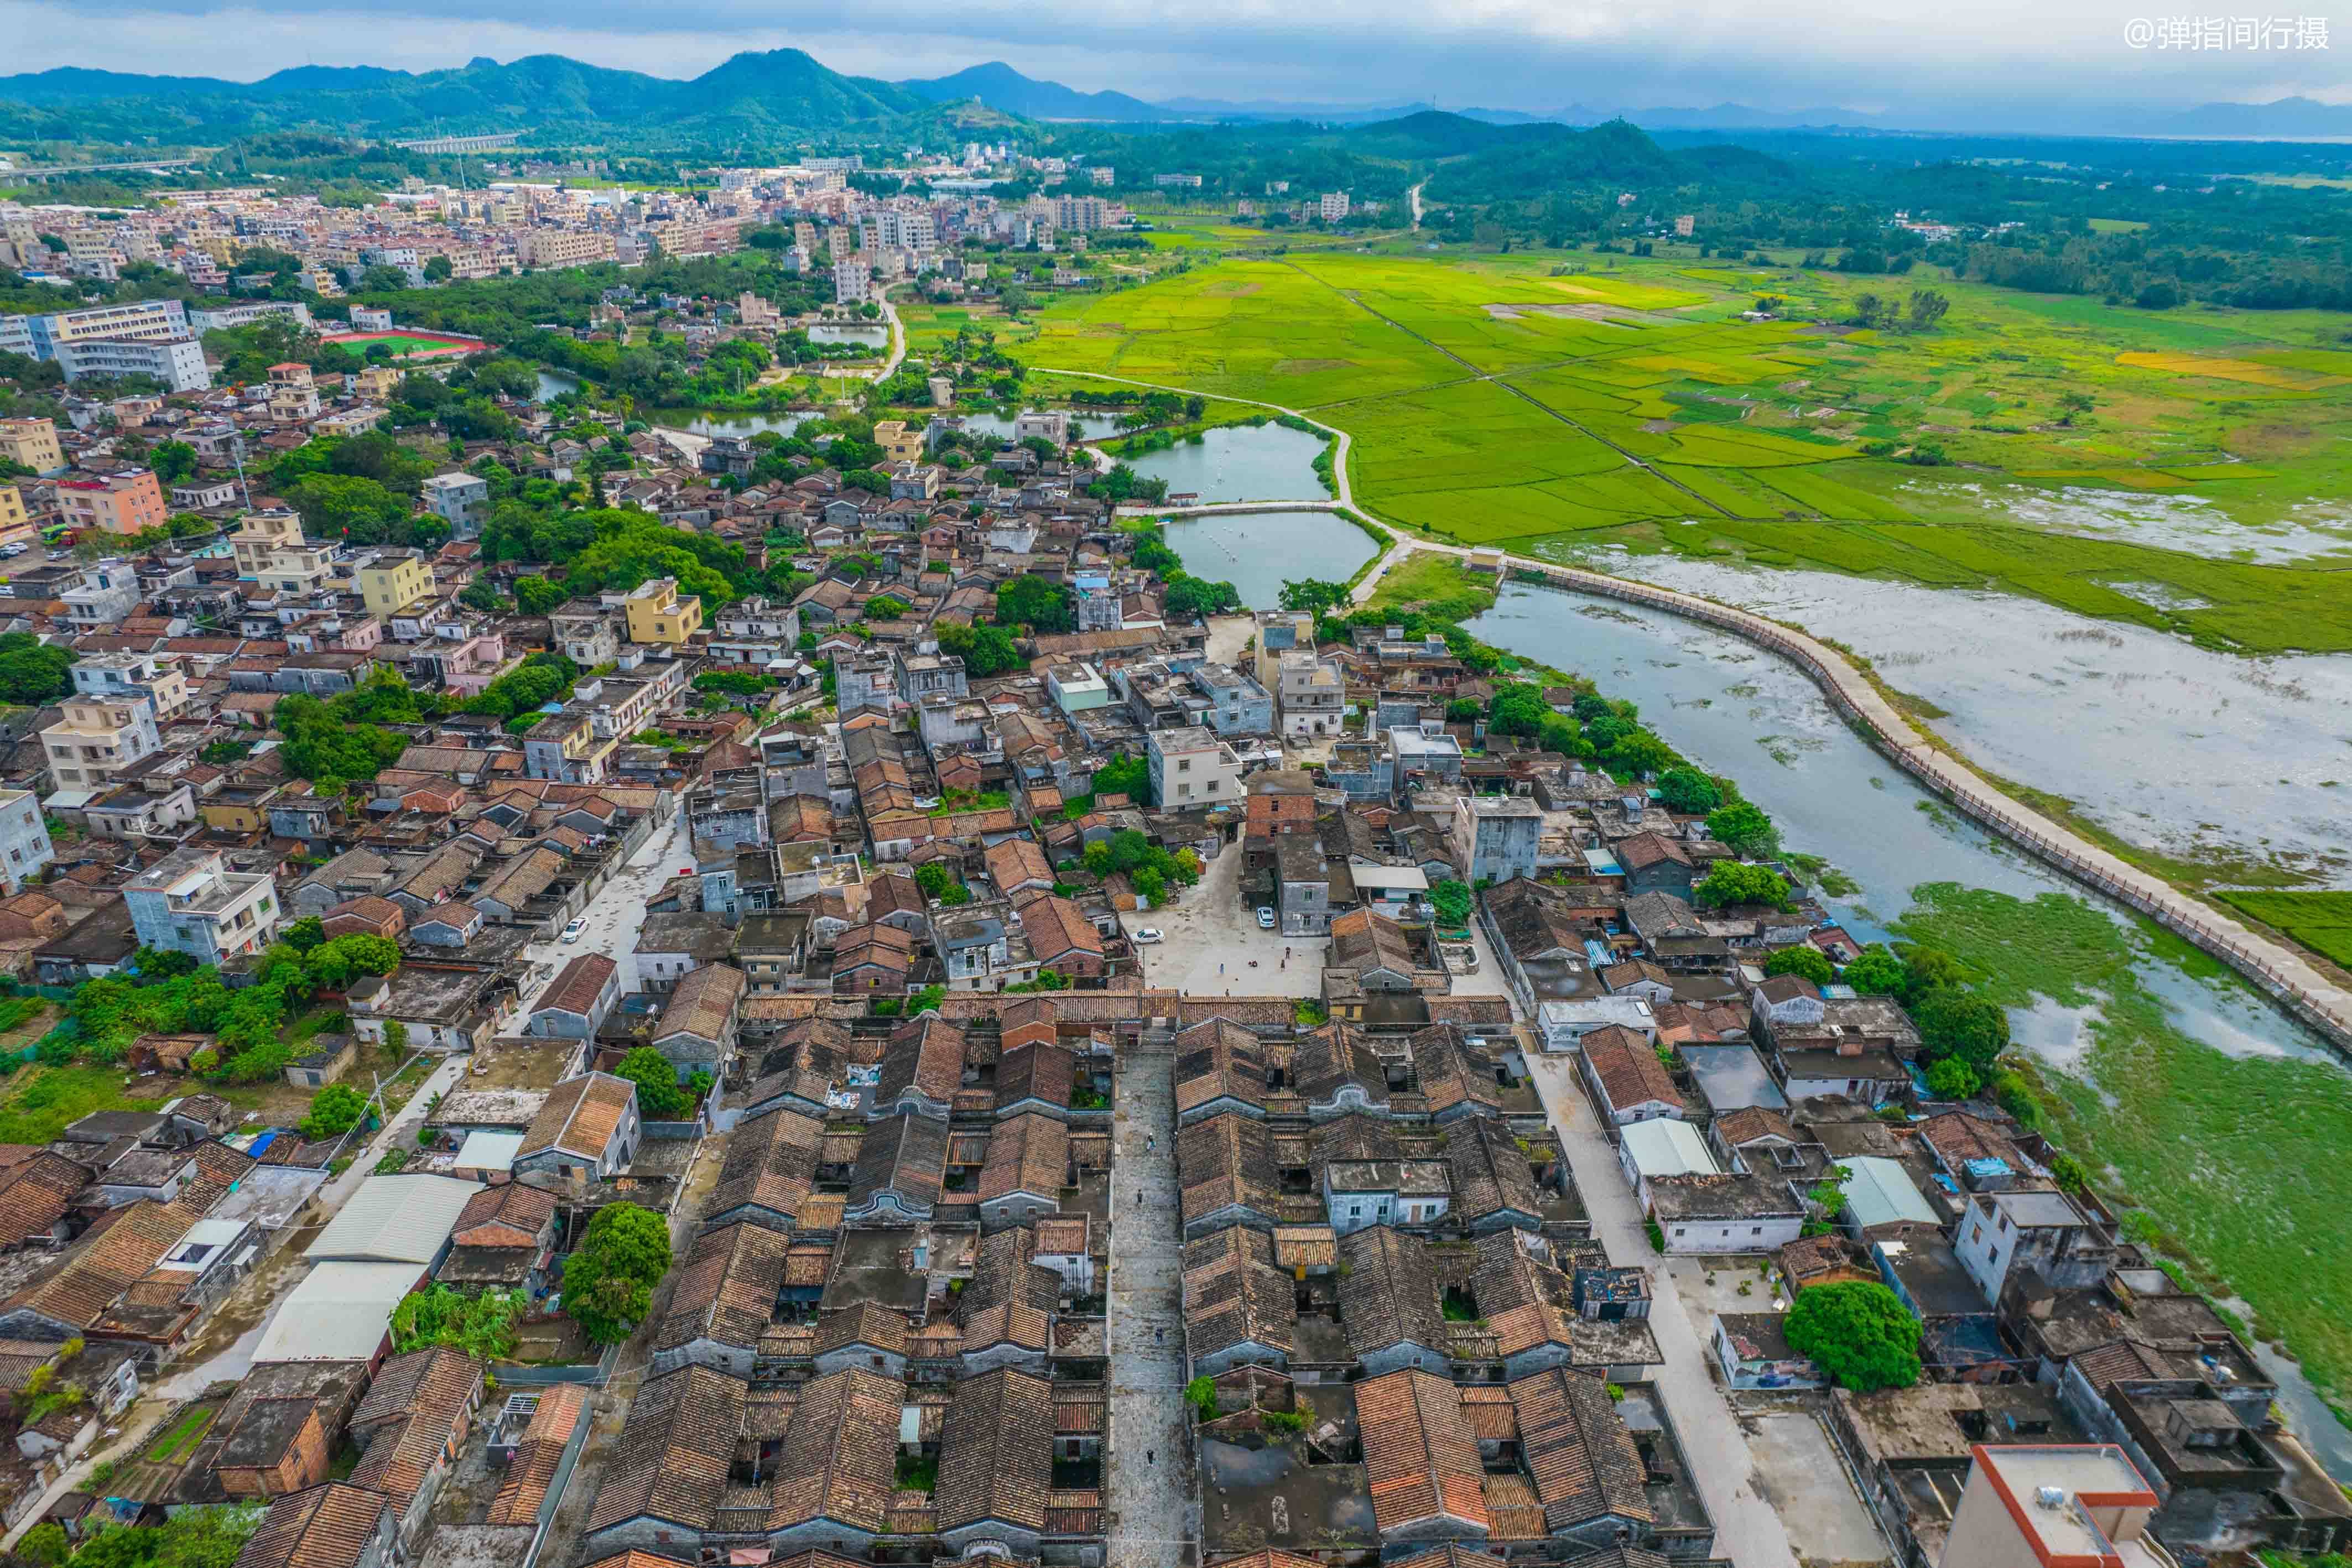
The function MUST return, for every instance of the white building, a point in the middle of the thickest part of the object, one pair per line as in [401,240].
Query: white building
[1191,766]
[1334,206]
[852,280]
[461,500]
[24,838]
[177,362]
[190,902]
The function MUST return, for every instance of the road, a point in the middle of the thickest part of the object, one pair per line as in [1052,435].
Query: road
[1413,203]
[1746,1527]
[1148,1485]
[619,909]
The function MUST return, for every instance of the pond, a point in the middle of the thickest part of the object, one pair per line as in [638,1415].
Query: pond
[1241,463]
[553,384]
[724,422]
[988,421]
[1257,552]
[1738,710]
[871,336]
[2173,747]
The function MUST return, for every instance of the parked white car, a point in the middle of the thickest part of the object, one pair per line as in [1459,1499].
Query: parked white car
[1144,935]
[576,930]
[1264,917]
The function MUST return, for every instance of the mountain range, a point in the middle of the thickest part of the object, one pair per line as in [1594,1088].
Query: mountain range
[789,90]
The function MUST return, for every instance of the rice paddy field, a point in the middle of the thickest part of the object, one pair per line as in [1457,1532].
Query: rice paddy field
[1523,402]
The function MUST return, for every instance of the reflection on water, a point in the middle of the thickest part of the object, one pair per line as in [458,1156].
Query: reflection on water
[872,337]
[2162,742]
[1257,552]
[1241,463]
[553,384]
[706,421]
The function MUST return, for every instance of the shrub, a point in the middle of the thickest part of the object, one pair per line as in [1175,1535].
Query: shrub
[337,1108]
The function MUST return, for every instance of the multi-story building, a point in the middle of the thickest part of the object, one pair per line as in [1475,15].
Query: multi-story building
[588,637]
[1191,766]
[852,280]
[177,362]
[102,596]
[32,442]
[271,550]
[293,394]
[1314,696]
[657,613]
[99,737]
[461,500]
[190,902]
[542,247]
[566,747]
[15,521]
[1496,837]
[24,846]
[393,580]
[126,503]
[144,320]
[1333,206]
[116,674]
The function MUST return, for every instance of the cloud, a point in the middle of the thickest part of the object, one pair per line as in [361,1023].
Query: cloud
[1993,58]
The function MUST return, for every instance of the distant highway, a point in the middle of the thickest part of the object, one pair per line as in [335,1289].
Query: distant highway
[101,167]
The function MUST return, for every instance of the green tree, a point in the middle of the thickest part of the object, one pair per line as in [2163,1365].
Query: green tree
[1957,1023]
[1952,1079]
[1124,775]
[985,650]
[1746,829]
[333,1112]
[45,1545]
[609,1279]
[536,596]
[172,461]
[395,1039]
[1313,595]
[438,270]
[1518,709]
[1689,791]
[481,1326]
[1805,961]
[304,934]
[1032,601]
[335,963]
[1190,598]
[1451,899]
[1876,971]
[660,1097]
[938,882]
[1735,882]
[1857,1333]
[31,672]
[339,507]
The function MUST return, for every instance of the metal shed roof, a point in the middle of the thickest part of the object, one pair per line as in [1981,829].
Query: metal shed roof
[340,1313]
[1665,1146]
[1880,1191]
[395,1220]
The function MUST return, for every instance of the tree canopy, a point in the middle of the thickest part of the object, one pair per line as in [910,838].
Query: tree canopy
[1735,882]
[608,1279]
[1803,960]
[1858,1333]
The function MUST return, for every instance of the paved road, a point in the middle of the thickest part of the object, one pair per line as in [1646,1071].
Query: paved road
[1746,1527]
[1149,1484]
[618,910]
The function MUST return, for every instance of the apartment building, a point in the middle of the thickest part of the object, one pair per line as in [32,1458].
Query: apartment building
[125,503]
[562,247]
[461,500]
[177,362]
[293,394]
[15,521]
[852,280]
[657,613]
[272,552]
[145,320]
[99,737]
[32,442]
[190,902]
[1314,696]
[102,596]
[1333,206]
[105,675]
[1191,766]
[393,580]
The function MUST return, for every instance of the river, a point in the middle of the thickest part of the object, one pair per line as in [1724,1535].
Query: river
[2197,754]
[1743,712]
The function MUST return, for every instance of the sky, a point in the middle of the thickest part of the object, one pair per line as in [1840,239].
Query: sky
[1992,57]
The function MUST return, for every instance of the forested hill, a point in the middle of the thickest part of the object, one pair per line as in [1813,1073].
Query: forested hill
[777,90]
[1511,162]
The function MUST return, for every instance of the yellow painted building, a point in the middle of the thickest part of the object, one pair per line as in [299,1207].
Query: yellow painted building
[658,613]
[396,580]
[32,442]
[899,443]
[13,522]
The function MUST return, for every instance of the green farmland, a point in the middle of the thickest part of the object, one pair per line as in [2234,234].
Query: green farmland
[1491,401]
